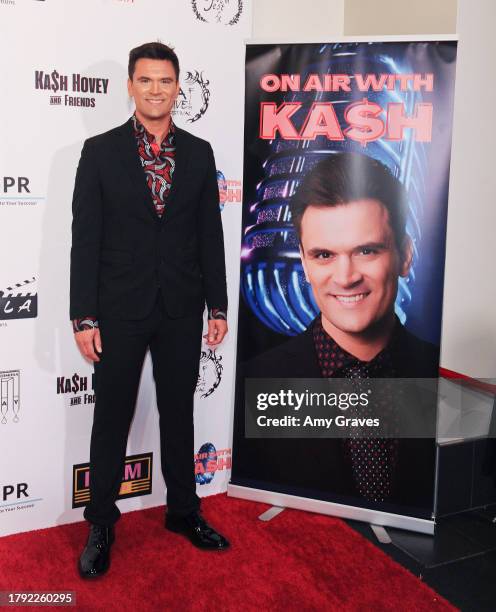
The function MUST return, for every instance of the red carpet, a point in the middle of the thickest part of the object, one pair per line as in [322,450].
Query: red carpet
[297,561]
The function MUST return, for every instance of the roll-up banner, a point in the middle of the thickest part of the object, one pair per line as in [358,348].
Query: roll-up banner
[345,197]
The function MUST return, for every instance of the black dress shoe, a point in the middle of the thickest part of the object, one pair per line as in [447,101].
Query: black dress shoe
[197,530]
[95,558]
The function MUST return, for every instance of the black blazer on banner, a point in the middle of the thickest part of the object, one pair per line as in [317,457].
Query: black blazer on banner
[122,252]
[317,468]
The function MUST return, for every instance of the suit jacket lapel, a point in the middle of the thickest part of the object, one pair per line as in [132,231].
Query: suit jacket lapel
[128,152]
[179,174]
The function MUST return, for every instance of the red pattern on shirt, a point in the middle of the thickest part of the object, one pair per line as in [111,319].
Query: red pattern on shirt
[158,161]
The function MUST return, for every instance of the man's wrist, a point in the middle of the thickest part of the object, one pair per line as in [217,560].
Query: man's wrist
[217,313]
[84,323]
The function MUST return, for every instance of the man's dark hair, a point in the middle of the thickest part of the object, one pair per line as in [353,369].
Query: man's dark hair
[153,50]
[342,178]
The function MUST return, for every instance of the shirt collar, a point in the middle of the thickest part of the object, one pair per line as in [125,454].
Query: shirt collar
[142,133]
[335,360]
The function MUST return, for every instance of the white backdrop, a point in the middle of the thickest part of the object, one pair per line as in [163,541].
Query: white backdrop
[46,411]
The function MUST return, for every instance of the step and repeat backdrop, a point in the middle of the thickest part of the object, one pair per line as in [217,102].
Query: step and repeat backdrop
[64,71]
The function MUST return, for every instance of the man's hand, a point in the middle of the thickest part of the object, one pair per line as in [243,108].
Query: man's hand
[217,329]
[89,343]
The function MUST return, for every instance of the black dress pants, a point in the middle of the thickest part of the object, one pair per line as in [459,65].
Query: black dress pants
[175,346]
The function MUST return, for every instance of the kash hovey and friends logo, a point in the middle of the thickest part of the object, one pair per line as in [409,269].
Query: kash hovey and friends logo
[65,89]
[226,12]
[136,481]
[78,389]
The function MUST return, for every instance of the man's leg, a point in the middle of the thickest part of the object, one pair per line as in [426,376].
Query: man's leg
[117,377]
[176,355]
[175,350]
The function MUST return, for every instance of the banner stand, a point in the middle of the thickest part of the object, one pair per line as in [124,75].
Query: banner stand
[384,519]
[334,132]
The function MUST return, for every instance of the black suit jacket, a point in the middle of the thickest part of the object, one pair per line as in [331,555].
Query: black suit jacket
[318,468]
[122,252]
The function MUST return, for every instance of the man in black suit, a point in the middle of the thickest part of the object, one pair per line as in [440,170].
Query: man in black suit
[350,216]
[147,253]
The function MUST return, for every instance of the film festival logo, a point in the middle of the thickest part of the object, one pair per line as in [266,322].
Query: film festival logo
[136,480]
[65,90]
[193,99]
[226,12]
[19,301]
[210,373]
[10,398]
[209,461]
[229,190]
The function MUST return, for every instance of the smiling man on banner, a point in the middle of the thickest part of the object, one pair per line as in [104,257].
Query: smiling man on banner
[350,215]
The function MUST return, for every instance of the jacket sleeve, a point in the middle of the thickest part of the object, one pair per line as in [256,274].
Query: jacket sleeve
[86,236]
[211,239]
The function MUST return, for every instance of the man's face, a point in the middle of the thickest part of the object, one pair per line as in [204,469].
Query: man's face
[154,88]
[351,260]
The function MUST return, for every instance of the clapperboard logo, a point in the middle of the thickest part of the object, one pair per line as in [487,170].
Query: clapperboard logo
[10,399]
[136,481]
[20,301]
